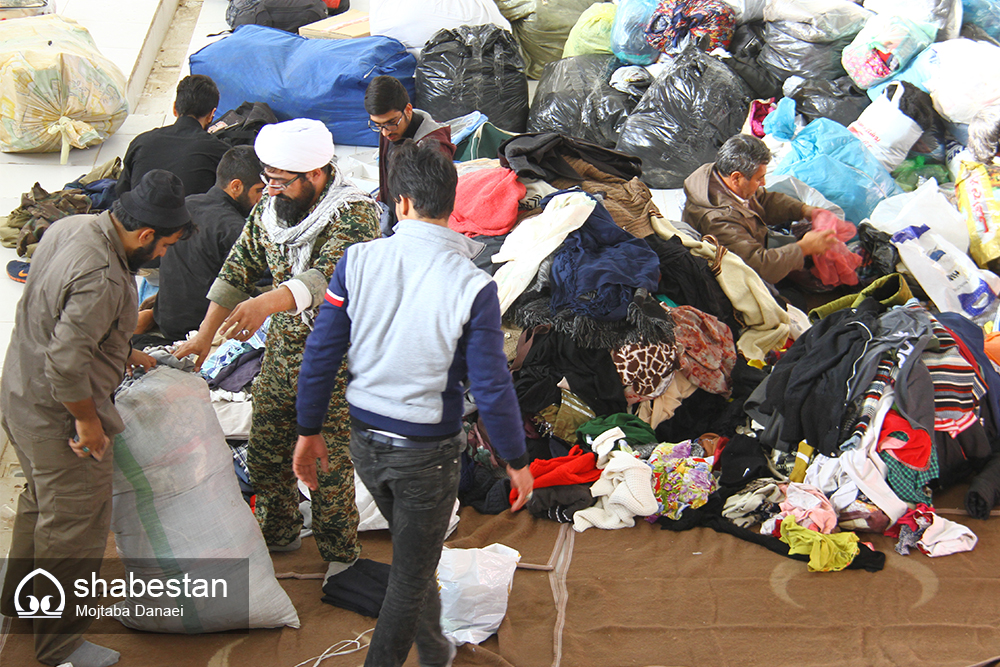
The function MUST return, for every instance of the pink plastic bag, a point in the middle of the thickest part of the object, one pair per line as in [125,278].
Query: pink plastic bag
[838,265]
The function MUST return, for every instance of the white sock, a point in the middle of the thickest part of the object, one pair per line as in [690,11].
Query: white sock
[335,567]
[92,655]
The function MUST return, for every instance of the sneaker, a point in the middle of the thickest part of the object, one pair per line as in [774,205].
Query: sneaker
[18,270]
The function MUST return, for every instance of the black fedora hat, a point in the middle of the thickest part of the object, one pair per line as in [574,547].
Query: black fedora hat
[157,201]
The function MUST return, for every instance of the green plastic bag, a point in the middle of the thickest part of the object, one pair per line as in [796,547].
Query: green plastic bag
[543,34]
[592,32]
[914,171]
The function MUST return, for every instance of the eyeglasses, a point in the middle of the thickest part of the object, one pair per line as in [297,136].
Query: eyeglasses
[391,125]
[277,183]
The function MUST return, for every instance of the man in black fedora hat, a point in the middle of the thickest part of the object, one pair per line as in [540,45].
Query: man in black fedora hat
[68,353]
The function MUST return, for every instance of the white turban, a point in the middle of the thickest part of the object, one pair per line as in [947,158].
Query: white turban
[298,145]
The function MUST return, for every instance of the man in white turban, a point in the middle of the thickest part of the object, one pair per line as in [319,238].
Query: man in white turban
[309,213]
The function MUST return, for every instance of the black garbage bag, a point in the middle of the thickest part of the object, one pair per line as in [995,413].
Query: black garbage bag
[748,40]
[799,49]
[761,81]
[684,117]
[474,68]
[840,100]
[879,251]
[574,98]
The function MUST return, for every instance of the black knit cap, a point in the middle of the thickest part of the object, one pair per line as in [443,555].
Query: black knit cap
[157,201]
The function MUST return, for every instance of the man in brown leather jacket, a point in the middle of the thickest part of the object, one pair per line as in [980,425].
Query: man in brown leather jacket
[727,199]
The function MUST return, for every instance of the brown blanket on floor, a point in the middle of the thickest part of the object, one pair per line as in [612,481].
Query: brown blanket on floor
[644,596]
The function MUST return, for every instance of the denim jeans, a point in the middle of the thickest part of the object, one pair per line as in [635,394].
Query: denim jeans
[415,490]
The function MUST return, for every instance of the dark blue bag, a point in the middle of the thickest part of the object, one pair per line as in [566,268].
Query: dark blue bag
[323,79]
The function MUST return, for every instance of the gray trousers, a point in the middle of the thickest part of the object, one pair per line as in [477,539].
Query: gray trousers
[62,524]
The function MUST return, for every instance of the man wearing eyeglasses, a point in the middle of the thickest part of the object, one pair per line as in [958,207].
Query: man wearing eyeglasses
[307,216]
[394,118]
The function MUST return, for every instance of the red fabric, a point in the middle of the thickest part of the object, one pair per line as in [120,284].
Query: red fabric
[486,202]
[913,449]
[910,519]
[838,265]
[577,467]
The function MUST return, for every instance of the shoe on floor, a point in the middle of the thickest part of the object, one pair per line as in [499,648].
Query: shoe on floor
[18,270]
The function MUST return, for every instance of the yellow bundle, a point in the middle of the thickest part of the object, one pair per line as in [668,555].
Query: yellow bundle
[978,191]
[56,89]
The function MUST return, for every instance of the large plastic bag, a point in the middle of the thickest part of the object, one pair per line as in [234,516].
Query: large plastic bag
[884,46]
[924,206]
[805,193]
[515,10]
[885,130]
[574,98]
[787,54]
[978,190]
[474,68]
[828,157]
[946,15]
[56,89]
[628,34]
[324,79]
[413,23]
[959,75]
[475,585]
[829,19]
[838,100]
[747,10]
[592,31]
[177,510]
[948,276]
[542,35]
[985,14]
[684,117]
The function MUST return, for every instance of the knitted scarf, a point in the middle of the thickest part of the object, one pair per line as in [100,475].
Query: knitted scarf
[297,242]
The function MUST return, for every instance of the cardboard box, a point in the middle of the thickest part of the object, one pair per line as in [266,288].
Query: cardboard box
[352,23]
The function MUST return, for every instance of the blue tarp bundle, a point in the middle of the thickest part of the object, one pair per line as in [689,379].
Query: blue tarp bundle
[324,79]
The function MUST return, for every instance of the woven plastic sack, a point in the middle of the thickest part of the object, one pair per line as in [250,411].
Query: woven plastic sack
[708,24]
[884,46]
[475,585]
[574,98]
[592,31]
[668,128]
[978,190]
[628,34]
[56,89]
[177,500]
[474,68]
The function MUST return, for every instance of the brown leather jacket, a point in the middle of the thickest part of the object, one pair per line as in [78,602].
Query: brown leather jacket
[712,208]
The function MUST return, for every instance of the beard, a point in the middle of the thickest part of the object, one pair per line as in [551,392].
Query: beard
[140,256]
[243,203]
[289,211]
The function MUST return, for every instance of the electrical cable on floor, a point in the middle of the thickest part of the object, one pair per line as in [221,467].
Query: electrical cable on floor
[340,648]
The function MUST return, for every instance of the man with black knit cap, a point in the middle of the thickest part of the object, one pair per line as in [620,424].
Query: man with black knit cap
[68,353]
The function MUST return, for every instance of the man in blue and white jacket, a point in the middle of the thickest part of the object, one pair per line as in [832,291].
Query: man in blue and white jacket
[415,318]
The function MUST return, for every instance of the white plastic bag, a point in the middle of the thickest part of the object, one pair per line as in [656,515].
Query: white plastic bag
[966,80]
[475,584]
[413,23]
[924,206]
[949,276]
[885,130]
